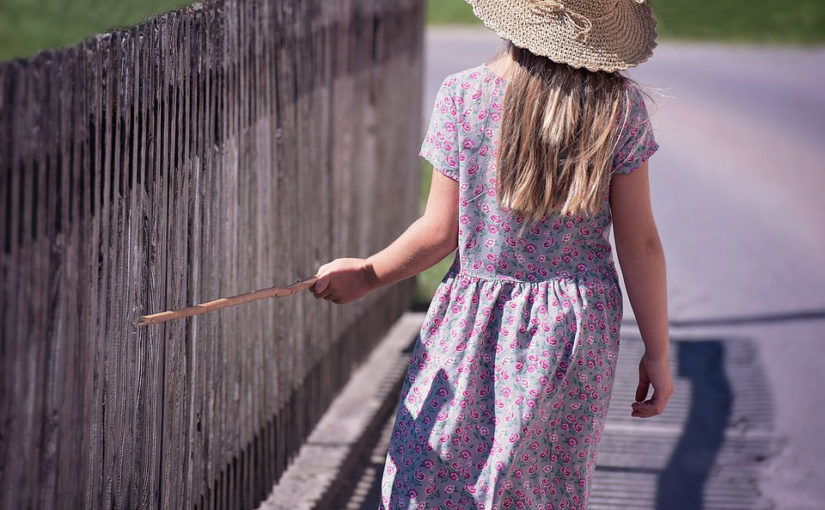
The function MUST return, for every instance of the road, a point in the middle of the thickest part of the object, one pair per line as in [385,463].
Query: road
[737,191]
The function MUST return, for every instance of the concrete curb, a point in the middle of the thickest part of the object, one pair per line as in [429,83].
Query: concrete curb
[344,434]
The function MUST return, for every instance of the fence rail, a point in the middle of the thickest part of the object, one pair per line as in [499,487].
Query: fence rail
[223,147]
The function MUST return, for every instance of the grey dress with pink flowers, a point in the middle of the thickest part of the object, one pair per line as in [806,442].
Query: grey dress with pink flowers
[506,393]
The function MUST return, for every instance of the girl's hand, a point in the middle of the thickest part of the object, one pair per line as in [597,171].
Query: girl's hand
[342,280]
[655,371]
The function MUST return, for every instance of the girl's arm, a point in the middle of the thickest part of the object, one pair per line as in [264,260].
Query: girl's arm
[426,241]
[642,260]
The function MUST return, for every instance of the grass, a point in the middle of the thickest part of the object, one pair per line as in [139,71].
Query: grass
[28,26]
[762,21]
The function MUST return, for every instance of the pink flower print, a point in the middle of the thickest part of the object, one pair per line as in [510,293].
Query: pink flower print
[490,268]
[480,225]
[482,114]
[451,161]
[490,242]
[530,248]
[485,208]
[465,219]
[467,127]
[473,169]
[467,143]
[449,127]
[495,116]
[503,265]
[519,274]
[493,229]
[492,257]
[483,150]
[477,264]
[498,106]
[510,242]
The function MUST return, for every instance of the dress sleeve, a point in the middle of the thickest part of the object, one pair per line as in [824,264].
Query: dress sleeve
[636,141]
[441,147]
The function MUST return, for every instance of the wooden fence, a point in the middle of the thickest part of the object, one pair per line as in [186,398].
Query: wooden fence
[224,147]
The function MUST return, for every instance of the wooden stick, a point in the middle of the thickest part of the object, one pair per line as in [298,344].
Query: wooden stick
[227,302]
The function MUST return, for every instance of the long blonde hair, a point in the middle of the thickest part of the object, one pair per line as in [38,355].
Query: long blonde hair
[557,137]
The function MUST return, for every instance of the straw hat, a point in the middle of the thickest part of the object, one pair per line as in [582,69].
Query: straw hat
[599,35]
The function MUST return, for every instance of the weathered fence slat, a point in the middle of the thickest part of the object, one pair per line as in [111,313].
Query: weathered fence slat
[230,145]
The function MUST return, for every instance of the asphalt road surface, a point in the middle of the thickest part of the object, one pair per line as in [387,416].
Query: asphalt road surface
[738,190]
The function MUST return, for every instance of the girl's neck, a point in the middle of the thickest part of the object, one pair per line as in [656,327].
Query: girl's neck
[502,64]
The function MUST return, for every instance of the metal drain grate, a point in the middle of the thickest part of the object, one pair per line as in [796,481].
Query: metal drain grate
[703,453]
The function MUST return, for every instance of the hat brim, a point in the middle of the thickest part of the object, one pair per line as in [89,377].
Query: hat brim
[623,38]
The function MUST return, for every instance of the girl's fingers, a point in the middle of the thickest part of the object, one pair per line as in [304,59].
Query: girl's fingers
[648,408]
[644,383]
[641,390]
[320,285]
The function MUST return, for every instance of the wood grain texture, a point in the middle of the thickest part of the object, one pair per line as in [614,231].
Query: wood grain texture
[227,146]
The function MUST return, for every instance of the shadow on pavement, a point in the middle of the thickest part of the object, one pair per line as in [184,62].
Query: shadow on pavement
[739,320]
[682,482]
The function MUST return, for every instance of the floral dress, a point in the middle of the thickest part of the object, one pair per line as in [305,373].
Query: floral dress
[506,393]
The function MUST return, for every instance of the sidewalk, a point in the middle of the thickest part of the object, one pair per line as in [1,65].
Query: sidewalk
[703,453]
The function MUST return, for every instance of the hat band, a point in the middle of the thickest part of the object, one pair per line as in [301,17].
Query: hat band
[582,25]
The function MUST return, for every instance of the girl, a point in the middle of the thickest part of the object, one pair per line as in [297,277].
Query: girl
[537,154]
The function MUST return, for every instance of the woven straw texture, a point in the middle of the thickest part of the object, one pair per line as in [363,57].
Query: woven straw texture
[610,35]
